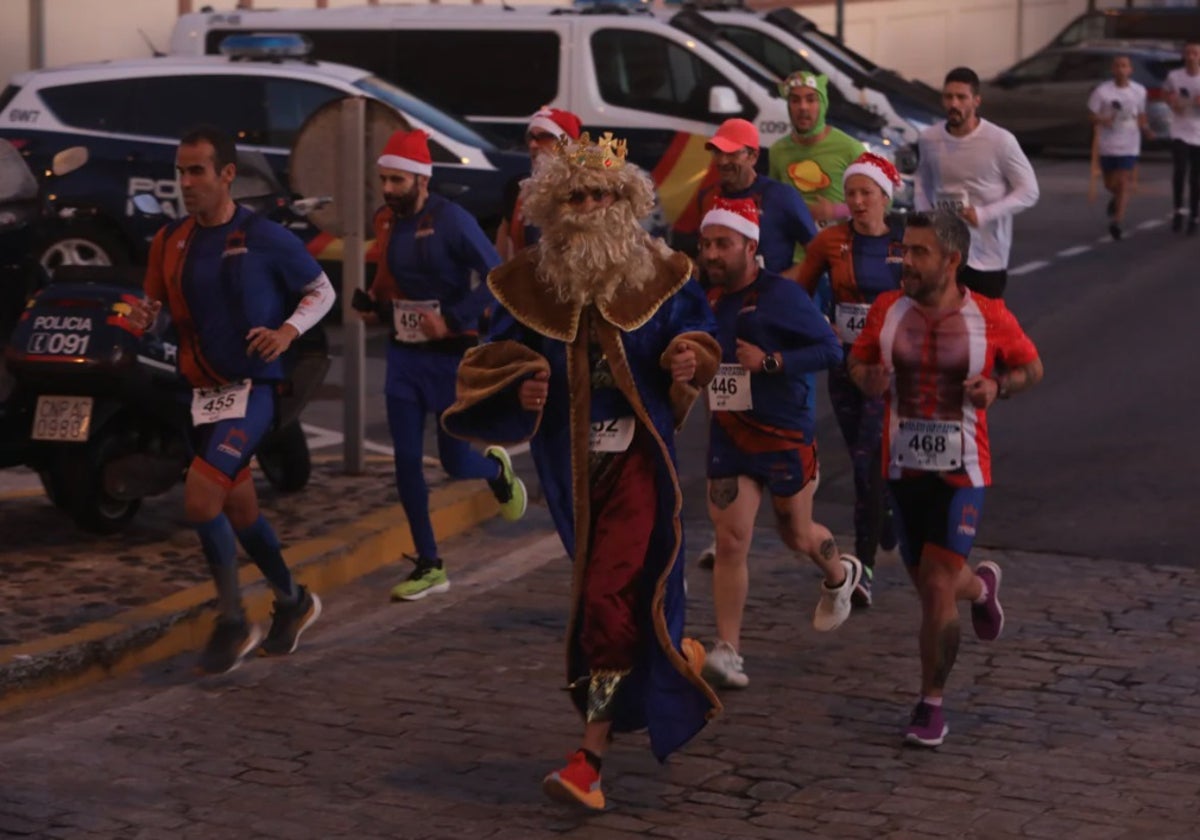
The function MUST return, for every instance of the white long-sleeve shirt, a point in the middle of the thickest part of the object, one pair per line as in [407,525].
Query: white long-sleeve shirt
[986,170]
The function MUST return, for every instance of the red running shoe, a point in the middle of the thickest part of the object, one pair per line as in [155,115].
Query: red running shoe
[577,783]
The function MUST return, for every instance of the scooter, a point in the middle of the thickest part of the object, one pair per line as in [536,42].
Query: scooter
[25,216]
[108,426]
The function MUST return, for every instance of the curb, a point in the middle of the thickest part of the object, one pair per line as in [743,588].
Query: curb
[181,622]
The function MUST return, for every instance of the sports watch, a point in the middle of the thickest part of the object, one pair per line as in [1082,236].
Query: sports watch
[770,364]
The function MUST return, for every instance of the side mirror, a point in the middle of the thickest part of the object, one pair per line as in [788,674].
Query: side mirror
[722,99]
[68,160]
[147,204]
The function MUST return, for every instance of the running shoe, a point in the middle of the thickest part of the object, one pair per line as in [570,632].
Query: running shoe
[861,596]
[707,557]
[834,606]
[288,621]
[988,617]
[1114,230]
[428,578]
[228,645]
[578,783]
[507,488]
[927,727]
[723,668]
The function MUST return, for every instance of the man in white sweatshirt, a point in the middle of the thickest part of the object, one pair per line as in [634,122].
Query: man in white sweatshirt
[976,169]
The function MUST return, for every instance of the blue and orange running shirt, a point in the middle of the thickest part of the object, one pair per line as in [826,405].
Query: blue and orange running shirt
[219,282]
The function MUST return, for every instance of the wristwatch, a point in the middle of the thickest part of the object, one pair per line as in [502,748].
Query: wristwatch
[770,364]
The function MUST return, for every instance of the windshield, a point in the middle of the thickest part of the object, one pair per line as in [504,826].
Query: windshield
[440,121]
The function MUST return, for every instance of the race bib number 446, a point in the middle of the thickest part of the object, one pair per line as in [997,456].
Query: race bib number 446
[730,389]
[933,445]
[851,318]
[407,316]
[228,402]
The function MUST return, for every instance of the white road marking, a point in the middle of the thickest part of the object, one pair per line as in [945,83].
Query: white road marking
[1151,223]
[321,438]
[1028,268]
[1074,252]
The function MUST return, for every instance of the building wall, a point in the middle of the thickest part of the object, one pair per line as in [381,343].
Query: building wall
[921,38]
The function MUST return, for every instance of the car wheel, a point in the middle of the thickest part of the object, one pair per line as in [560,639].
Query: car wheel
[75,484]
[83,245]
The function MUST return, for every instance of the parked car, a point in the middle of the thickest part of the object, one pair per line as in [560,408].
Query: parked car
[130,115]
[615,65]
[1177,23]
[1043,99]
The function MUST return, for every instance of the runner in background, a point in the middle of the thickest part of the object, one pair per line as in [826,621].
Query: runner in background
[1118,112]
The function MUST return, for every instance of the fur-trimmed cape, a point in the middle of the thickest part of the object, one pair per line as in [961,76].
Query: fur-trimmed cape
[534,331]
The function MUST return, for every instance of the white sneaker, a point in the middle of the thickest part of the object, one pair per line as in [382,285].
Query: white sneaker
[834,606]
[708,556]
[723,667]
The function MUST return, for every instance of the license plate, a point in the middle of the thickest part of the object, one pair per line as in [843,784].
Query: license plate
[64,419]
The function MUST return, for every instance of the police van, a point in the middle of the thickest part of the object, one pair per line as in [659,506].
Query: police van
[130,115]
[618,68]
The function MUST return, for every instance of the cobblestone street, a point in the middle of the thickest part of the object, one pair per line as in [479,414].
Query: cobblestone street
[437,719]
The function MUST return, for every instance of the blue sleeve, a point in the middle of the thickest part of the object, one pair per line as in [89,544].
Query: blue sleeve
[292,264]
[474,252]
[801,227]
[690,311]
[809,342]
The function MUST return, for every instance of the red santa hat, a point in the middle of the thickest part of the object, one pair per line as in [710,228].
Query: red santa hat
[739,214]
[877,169]
[407,151]
[556,122]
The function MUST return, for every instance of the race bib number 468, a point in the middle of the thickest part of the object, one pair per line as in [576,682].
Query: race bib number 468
[933,445]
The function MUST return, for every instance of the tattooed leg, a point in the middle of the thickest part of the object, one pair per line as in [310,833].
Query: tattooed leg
[732,506]
[940,629]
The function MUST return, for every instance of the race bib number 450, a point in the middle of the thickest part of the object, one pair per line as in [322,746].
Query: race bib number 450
[407,316]
[730,389]
[228,402]
[933,445]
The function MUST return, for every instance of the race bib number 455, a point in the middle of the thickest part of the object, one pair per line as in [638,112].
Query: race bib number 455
[228,402]
[730,389]
[933,445]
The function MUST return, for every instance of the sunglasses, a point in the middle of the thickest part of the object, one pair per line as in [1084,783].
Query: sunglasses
[577,197]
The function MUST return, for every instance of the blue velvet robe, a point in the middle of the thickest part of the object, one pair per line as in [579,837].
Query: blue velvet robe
[533,331]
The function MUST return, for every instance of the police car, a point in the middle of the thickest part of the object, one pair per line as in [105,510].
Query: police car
[130,114]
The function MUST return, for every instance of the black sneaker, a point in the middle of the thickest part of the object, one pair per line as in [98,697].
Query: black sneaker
[288,621]
[1177,222]
[228,645]
[1114,230]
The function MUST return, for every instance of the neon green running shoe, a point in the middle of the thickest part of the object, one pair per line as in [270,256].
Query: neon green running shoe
[425,579]
[508,489]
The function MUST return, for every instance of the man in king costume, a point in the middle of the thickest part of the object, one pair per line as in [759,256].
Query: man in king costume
[599,346]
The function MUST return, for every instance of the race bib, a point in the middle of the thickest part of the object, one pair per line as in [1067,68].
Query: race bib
[227,402]
[611,435]
[851,318]
[933,445]
[730,389]
[953,201]
[407,316]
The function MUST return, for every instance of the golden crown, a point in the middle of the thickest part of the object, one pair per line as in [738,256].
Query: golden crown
[606,153]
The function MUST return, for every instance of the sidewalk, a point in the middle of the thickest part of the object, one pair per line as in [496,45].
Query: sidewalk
[437,719]
[76,607]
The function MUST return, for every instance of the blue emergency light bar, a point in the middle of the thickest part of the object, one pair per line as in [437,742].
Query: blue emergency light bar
[266,45]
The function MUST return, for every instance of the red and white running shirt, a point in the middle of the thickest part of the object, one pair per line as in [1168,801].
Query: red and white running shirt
[930,424]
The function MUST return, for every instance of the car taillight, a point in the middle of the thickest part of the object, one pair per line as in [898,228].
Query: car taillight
[1155,94]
